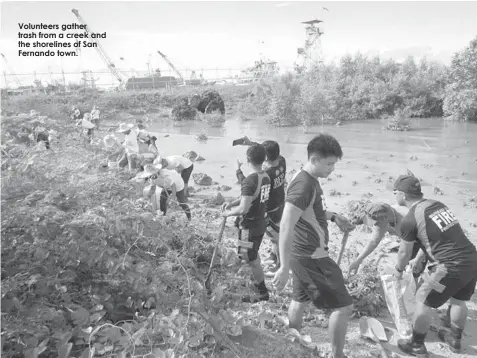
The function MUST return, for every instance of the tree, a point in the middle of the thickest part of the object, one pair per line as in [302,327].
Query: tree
[460,100]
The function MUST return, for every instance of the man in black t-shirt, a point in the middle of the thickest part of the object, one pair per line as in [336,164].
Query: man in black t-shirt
[452,264]
[276,167]
[251,210]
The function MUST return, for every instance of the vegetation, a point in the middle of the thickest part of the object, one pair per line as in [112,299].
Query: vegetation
[356,88]
[88,269]
[460,100]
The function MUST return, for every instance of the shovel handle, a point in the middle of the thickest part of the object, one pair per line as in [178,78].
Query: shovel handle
[343,245]
[219,239]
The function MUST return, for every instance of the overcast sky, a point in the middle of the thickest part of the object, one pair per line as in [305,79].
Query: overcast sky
[226,34]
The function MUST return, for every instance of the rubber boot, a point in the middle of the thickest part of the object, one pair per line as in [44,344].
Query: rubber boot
[262,295]
[414,346]
[446,322]
[452,337]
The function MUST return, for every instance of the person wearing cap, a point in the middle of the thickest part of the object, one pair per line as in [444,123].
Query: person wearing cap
[452,268]
[384,218]
[130,145]
[182,165]
[88,127]
[95,116]
[171,183]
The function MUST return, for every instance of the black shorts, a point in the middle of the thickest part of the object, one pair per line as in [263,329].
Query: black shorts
[185,174]
[440,285]
[273,228]
[320,281]
[249,242]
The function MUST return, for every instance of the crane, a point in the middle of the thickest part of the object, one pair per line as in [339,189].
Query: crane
[7,65]
[101,51]
[171,66]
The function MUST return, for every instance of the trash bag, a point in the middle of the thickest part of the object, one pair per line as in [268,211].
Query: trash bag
[400,299]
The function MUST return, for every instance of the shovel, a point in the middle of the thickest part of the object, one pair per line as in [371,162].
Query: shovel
[219,239]
[373,329]
[343,245]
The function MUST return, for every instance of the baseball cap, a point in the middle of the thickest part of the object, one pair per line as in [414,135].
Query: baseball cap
[377,213]
[408,184]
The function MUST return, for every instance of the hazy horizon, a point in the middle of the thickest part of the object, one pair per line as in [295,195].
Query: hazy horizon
[226,34]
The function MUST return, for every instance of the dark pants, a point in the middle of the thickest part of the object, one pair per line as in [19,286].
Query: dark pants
[180,198]
[186,173]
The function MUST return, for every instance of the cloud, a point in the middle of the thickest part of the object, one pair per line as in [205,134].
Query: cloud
[283,4]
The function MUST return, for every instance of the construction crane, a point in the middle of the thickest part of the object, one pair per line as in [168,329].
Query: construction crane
[100,49]
[171,66]
[7,65]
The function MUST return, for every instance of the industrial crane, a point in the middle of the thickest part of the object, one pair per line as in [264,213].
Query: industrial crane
[7,65]
[101,51]
[171,66]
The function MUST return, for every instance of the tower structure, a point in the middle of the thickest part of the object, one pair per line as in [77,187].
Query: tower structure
[311,54]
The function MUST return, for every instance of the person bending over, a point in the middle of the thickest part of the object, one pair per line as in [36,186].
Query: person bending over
[384,218]
[182,165]
[452,267]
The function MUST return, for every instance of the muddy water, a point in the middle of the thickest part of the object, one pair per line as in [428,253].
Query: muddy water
[443,154]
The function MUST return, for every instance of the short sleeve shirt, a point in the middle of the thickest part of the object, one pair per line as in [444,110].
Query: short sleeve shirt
[256,185]
[311,230]
[174,161]
[168,177]
[435,227]
[277,192]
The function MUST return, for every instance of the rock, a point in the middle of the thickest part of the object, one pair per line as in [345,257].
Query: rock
[217,199]
[191,155]
[202,179]
[208,102]
[225,188]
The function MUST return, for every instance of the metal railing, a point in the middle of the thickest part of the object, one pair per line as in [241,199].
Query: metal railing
[136,79]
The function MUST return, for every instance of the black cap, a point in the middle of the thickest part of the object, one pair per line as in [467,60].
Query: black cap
[408,184]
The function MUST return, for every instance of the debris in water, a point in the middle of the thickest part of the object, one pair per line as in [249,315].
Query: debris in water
[202,179]
[438,191]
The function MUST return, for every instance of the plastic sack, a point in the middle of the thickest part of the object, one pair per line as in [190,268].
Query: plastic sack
[156,200]
[87,124]
[400,299]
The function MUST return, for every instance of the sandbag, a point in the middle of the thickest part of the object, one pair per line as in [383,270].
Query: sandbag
[400,299]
